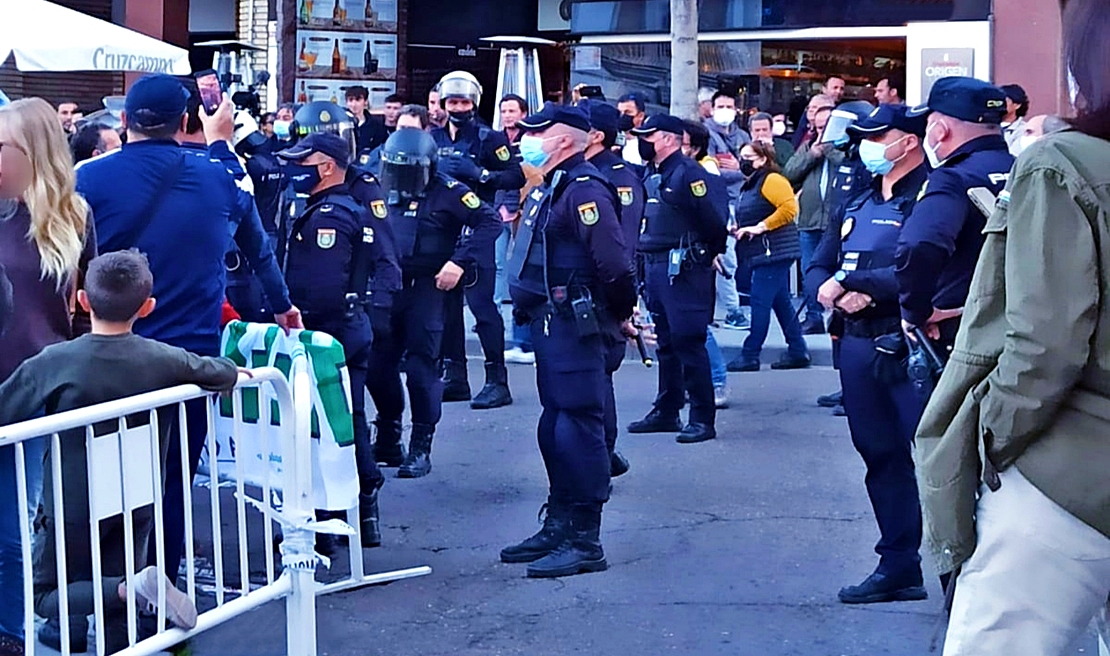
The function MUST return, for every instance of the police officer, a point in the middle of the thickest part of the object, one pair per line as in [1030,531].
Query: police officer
[604,120]
[940,243]
[571,279]
[428,212]
[853,270]
[481,158]
[684,229]
[332,252]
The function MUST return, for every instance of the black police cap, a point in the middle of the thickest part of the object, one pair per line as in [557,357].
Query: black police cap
[552,114]
[660,123]
[325,143]
[603,116]
[965,98]
[889,117]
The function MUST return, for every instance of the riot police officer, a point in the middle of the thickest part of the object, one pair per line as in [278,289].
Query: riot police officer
[428,212]
[333,250]
[570,279]
[940,243]
[604,120]
[481,158]
[684,229]
[853,268]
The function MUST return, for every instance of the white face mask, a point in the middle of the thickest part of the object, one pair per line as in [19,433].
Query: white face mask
[724,116]
[930,150]
[1026,140]
[778,128]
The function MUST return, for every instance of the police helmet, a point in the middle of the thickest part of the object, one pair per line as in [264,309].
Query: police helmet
[409,159]
[323,116]
[460,84]
[247,138]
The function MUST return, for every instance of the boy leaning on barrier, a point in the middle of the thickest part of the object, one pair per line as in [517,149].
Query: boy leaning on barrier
[108,364]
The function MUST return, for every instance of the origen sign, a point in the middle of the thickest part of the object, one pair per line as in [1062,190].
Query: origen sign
[944,62]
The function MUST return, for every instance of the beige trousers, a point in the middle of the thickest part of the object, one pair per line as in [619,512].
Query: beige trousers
[1037,577]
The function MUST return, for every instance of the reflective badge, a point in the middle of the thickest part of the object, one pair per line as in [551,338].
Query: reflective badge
[847,228]
[588,213]
[325,237]
[503,153]
[368,235]
[378,208]
[924,188]
[325,116]
[364,159]
[471,200]
[625,194]
[698,187]
[413,205]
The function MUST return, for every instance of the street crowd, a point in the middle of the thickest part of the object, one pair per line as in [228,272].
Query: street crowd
[951,251]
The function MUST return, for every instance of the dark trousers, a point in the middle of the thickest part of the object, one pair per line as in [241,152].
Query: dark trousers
[572,383]
[491,327]
[173,498]
[883,418]
[369,475]
[417,335]
[682,310]
[771,291]
[809,240]
[614,355]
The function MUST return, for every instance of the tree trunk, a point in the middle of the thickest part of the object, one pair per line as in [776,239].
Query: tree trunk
[684,58]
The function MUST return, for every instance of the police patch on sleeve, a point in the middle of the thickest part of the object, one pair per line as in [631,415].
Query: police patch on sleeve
[625,194]
[368,235]
[471,200]
[697,187]
[588,213]
[503,153]
[325,238]
[378,208]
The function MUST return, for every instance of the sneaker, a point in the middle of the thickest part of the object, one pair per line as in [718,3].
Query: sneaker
[720,396]
[736,321]
[180,610]
[517,356]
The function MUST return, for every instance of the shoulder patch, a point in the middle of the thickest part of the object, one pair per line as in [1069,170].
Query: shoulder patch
[471,200]
[588,213]
[378,208]
[625,194]
[368,235]
[325,238]
[503,153]
[697,187]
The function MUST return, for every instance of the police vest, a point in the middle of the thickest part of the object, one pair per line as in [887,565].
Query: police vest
[667,224]
[351,205]
[420,233]
[869,237]
[780,245]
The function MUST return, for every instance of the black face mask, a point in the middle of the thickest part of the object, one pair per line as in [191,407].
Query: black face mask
[647,150]
[624,123]
[460,119]
[747,168]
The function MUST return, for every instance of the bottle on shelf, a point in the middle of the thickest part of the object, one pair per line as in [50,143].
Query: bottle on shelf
[371,15]
[302,58]
[369,61]
[302,95]
[336,62]
[336,14]
[304,14]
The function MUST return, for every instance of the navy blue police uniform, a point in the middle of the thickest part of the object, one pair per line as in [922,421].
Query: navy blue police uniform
[426,234]
[244,290]
[685,227]
[483,159]
[939,246]
[883,408]
[570,278]
[631,195]
[333,251]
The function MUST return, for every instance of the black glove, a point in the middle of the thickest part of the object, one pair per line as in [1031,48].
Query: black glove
[520,318]
[461,168]
[621,297]
[381,321]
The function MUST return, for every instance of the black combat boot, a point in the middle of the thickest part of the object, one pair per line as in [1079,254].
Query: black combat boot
[455,385]
[368,517]
[556,527]
[327,545]
[580,552]
[388,451]
[495,394]
[657,421]
[419,462]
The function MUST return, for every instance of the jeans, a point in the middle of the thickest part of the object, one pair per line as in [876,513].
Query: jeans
[501,254]
[11,554]
[771,291]
[522,337]
[717,370]
[809,240]
[727,296]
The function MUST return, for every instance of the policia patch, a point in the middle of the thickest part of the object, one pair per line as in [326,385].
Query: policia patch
[471,200]
[697,187]
[588,213]
[625,194]
[325,238]
[502,153]
[378,208]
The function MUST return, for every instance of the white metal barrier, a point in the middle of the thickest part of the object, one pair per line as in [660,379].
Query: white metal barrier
[121,466]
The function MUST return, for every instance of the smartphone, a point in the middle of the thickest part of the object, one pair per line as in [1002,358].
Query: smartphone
[211,95]
[983,200]
[591,91]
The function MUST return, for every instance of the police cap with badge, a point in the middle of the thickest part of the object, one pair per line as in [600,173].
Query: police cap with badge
[660,123]
[885,118]
[966,99]
[552,114]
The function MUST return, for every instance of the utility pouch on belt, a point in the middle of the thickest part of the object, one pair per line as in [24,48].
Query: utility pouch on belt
[353,304]
[585,317]
[675,260]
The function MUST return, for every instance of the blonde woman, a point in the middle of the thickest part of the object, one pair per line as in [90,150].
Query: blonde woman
[45,242]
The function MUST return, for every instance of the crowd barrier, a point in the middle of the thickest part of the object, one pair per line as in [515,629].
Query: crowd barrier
[124,441]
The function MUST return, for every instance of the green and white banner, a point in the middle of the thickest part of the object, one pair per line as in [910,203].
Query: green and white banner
[334,474]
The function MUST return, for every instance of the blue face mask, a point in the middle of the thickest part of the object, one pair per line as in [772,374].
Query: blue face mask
[531,151]
[303,178]
[873,156]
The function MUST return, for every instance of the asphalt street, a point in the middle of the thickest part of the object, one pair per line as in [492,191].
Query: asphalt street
[735,546]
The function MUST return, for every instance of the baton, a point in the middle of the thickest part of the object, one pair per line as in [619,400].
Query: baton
[642,348]
[927,346]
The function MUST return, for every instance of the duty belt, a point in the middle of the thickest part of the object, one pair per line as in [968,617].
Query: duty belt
[872,328]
